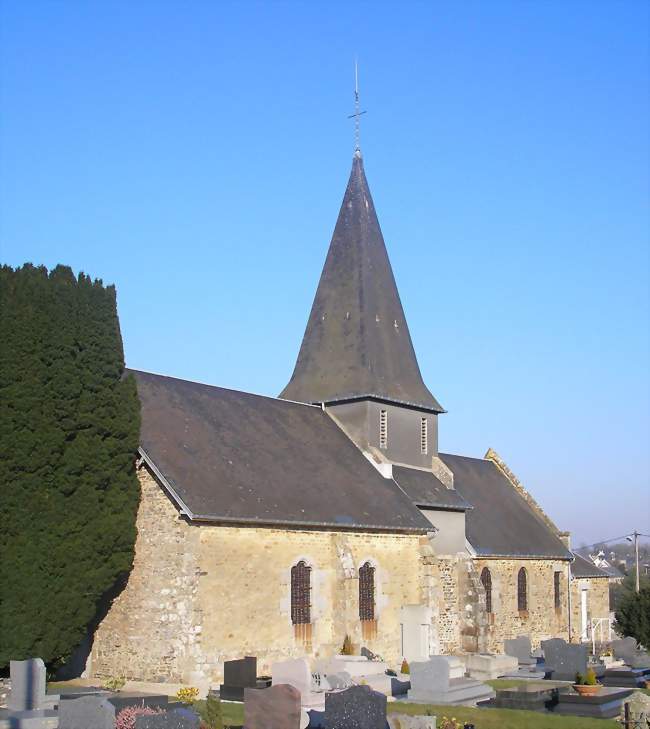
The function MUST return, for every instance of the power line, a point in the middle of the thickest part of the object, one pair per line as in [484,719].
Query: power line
[613,539]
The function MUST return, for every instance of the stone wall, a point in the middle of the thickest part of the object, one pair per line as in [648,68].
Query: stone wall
[541,620]
[597,589]
[200,595]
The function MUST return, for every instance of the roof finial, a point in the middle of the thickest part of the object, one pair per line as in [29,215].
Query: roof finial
[357,113]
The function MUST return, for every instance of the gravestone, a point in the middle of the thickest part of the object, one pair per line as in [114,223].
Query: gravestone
[488,666]
[175,719]
[532,696]
[238,675]
[439,681]
[295,672]
[625,649]
[277,707]
[358,707]
[521,649]
[415,623]
[367,653]
[88,712]
[27,685]
[564,659]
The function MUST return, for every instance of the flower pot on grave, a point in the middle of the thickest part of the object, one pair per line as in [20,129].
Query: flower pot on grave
[586,690]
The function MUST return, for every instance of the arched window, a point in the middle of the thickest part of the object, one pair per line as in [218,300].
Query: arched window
[522,590]
[486,581]
[367,592]
[301,593]
[556,590]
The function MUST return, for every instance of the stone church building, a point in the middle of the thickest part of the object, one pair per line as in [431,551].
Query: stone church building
[277,526]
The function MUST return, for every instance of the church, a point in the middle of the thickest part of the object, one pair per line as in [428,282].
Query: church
[276,527]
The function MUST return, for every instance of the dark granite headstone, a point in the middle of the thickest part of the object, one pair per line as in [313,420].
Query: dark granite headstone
[88,712]
[175,719]
[564,659]
[237,676]
[358,707]
[277,707]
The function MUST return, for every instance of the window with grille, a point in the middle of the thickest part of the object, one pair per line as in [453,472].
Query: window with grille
[424,436]
[522,590]
[556,589]
[367,592]
[383,429]
[486,581]
[301,593]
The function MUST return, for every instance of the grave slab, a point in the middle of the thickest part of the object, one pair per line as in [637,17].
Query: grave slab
[606,704]
[626,677]
[432,682]
[405,721]
[625,649]
[358,707]
[35,719]
[356,666]
[487,666]
[535,696]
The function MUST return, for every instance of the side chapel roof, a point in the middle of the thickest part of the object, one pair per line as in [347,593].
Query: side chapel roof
[229,456]
[501,524]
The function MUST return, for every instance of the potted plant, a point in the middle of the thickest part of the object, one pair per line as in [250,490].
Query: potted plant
[587,685]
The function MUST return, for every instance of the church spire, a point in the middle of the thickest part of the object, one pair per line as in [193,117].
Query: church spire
[357,343]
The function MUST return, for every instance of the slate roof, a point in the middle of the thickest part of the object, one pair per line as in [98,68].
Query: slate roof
[583,567]
[230,456]
[501,523]
[424,489]
[357,342]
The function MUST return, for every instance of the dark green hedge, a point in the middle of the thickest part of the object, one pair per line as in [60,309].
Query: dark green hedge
[69,428]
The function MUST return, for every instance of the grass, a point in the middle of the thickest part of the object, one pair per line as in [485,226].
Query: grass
[502,718]
[233,713]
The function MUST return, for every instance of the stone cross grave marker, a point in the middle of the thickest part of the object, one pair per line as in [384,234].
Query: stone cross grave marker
[27,685]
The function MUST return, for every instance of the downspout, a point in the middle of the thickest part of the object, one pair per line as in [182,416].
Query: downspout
[568,569]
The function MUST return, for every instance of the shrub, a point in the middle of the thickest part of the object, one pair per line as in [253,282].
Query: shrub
[126,718]
[633,616]
[211,714]
[590,678]
[580,679]
[69,432]
[405,667]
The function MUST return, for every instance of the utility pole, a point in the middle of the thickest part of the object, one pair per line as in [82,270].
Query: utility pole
[636,553]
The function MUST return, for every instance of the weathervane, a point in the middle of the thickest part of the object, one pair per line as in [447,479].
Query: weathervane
[357,113]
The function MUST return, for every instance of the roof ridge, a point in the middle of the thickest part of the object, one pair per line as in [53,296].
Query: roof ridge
[494,457]
[221,387]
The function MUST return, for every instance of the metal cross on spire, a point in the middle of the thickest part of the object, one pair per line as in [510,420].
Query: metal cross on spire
[357,112]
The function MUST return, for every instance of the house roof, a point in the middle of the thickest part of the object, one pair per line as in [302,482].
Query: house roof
[501,523]
[583,567]
[426,490]
[230,456]
[357,342]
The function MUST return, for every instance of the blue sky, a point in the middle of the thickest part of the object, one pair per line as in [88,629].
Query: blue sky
[195,154]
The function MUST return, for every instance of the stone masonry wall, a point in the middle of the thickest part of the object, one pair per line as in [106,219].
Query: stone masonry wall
[597,589]
[200,595]
[153,627]
[541,620]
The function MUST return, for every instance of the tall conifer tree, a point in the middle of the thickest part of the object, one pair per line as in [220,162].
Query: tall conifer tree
[69,428]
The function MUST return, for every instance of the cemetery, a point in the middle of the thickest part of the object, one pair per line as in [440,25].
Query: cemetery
[477,691]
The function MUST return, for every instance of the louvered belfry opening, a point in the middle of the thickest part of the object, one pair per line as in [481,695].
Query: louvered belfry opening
[301,603]
[522,591]
[486,581]
[367,601]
